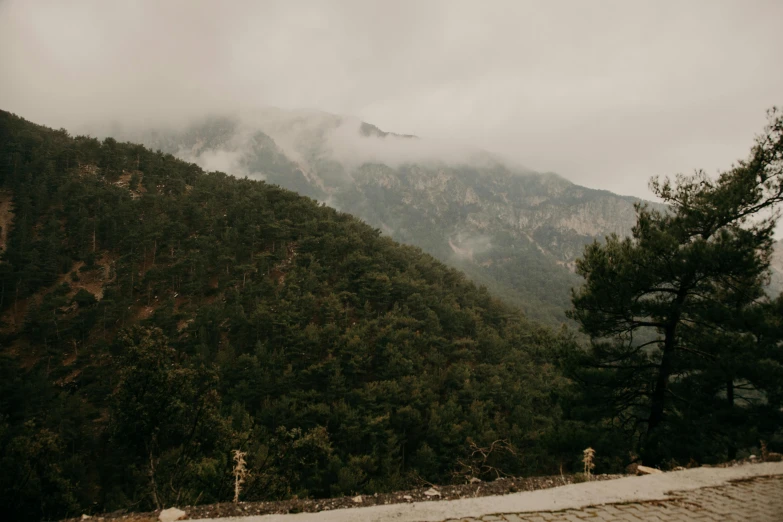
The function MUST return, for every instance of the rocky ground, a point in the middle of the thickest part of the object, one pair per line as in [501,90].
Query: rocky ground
[500,486]
[432,493]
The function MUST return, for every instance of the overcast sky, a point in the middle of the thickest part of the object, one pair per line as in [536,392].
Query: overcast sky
[605,93]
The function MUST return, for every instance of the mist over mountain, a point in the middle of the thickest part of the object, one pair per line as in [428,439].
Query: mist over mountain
[514,230]
[373,246]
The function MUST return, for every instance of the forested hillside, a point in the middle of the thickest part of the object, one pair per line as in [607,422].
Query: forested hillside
[156,317]
[513,230]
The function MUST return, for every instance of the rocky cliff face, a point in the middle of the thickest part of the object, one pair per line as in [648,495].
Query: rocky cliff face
[517,232]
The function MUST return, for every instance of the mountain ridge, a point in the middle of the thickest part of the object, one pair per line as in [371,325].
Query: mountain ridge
[466,207]
[514,230]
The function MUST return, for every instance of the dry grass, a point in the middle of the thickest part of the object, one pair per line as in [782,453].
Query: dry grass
[240,473]
[587,458]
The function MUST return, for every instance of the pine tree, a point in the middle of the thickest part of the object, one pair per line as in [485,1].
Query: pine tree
[650,301]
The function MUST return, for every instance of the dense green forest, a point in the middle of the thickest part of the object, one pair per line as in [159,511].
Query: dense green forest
[154,318]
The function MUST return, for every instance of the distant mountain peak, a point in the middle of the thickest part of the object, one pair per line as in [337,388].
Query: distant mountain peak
[368,129]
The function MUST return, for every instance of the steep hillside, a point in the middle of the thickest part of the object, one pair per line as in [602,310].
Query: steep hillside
[515,231]
[155,317]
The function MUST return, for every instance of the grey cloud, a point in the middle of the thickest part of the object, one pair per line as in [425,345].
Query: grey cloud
[348,145]
[606,93]
[222,160]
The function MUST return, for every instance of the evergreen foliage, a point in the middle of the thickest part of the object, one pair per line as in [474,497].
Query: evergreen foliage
[155,318]
[686,348]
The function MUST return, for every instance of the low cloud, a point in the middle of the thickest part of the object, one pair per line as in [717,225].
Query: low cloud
[221,159]
[607,94]
[466,245]
[349,145]
[303,136]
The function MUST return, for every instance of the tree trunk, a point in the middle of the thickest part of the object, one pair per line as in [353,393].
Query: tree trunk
[732,449]
[56,327]
[658,398]
[153,484]
[16,298]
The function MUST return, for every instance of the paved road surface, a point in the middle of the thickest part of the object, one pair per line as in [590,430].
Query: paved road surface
[751,493]
[757,500]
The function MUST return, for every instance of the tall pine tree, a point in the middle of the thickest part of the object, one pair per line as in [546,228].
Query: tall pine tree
[664,308]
